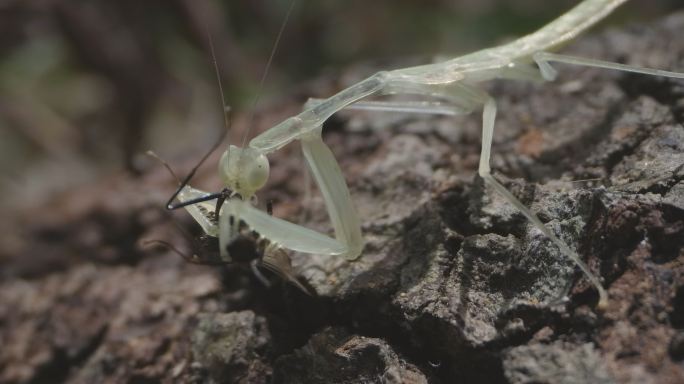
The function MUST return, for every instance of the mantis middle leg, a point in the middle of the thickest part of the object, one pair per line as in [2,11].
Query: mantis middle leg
[488,120]
[470,95]
[465,98]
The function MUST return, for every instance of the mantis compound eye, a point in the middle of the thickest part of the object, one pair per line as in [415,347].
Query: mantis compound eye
[256,172]
[244,170]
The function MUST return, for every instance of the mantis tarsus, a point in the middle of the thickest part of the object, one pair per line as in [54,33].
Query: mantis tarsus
[455,83]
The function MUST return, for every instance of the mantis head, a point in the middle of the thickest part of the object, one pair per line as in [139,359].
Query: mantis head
[243,170]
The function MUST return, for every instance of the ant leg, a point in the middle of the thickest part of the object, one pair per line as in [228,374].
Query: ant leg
[276,260]
[195,202]
[182,184]
[197,248]
[254,266]
[220,199]
[185,203]
[219,196]
[488,119]
[190,258]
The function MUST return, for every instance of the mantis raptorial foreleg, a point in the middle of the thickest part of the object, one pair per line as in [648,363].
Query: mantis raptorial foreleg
[334,189]
[226,226]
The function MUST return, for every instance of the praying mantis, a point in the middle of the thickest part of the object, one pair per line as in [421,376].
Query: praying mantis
[453,87]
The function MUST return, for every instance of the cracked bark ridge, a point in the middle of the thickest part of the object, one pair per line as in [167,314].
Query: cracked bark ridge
[333,355]
[453,285]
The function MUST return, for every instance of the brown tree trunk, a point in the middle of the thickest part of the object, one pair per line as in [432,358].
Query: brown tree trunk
[454,284]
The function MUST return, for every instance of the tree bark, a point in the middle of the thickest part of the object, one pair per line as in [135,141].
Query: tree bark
[453,285]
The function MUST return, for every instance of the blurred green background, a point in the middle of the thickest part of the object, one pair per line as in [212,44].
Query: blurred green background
[87,86]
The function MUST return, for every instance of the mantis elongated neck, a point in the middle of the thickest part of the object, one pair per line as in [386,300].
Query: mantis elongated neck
[308,121]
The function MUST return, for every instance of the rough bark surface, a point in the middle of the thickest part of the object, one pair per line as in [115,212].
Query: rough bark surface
[454,285]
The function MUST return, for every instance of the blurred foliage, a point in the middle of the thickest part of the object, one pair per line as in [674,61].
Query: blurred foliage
[86,86]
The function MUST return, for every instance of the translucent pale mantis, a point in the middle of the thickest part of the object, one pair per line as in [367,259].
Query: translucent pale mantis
[454,83]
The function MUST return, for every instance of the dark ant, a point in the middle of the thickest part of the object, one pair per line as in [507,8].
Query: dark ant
[248,248]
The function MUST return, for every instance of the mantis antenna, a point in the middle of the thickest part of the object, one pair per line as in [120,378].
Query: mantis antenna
[266,70]
[227,119]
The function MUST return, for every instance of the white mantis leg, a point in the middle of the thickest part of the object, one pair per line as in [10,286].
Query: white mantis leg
[488,119]
[462,98]
[279,231]
[419,107]
[333,187]
[549,73]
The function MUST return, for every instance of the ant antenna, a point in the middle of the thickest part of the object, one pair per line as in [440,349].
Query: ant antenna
[166,165]
[170,205]
[265,74]
[182,184]
[224,107]
[227,121]
[190,258]
[167,245]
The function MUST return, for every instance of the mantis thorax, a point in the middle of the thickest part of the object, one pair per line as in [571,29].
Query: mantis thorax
[243,170]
